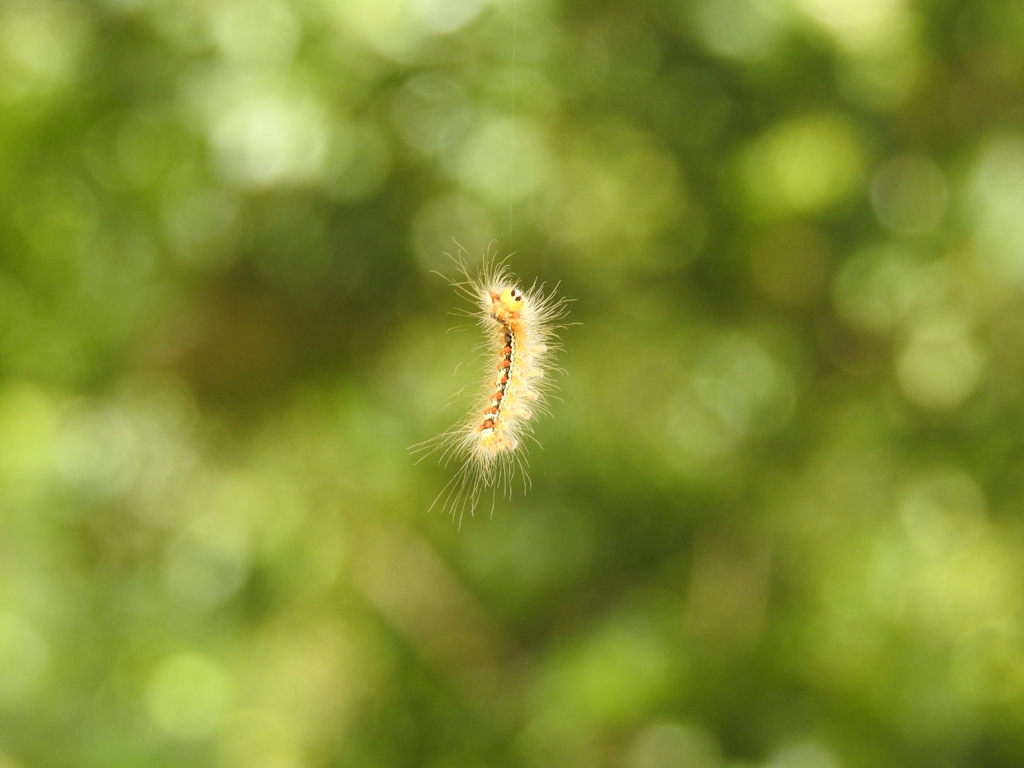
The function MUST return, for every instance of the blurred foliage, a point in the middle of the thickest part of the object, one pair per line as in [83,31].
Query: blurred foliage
[777,518]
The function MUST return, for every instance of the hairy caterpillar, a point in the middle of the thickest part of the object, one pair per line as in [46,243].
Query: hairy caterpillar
[521,328]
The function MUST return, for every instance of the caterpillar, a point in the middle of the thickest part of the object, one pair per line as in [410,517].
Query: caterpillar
[521,339]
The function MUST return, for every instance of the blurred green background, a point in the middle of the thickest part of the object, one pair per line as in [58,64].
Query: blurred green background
[776,520]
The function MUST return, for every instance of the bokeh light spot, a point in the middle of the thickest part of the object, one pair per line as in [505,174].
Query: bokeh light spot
[392,28]
[256,738]
[40,45]
[24,659]
[672,745]
[444,16]
[255,31]
[209,560]
[485,161]
[28,421]
[996,192]
[943,511]
[858,24]
[804,755]
[617,676]
[909,194]
[741,29]
[940,365]
[802,166]
[188,695]
[431,113]
[736,390]
[262,142]
[882,288]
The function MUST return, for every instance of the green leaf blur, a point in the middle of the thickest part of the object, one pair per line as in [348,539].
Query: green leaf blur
[777,513]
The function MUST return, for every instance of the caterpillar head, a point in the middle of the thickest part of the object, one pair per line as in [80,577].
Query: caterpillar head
[510,302]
